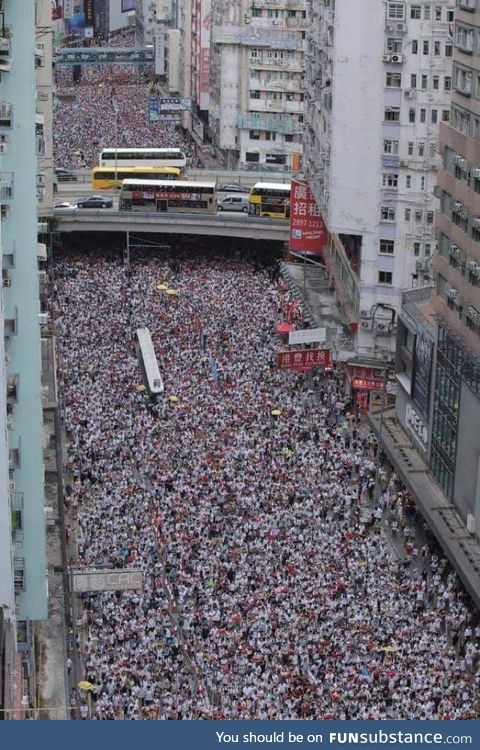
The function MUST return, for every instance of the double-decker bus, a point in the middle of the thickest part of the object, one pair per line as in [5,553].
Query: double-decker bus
[143,157]
[174,196]
[269,199]
[105,178]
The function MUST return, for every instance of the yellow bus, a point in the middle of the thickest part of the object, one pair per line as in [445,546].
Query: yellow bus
[270,199]
[105,178]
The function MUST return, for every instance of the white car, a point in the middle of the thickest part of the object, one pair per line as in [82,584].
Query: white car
[233,203]
[64,208]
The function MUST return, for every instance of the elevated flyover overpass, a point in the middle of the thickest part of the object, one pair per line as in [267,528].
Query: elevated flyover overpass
[210,225]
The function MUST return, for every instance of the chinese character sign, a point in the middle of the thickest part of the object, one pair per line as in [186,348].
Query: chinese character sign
[308,232]
[304,359]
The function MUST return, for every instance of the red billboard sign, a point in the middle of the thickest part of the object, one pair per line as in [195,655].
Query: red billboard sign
[366,378]
[304,359]
[308,232]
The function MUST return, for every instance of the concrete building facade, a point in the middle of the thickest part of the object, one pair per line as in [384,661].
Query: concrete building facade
[378,79]
[455,454]
[21,302]
[256,83]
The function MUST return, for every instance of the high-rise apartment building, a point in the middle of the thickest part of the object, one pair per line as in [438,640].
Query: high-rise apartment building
[44,107]
[256,82]
[20,55]
[195,56]
[378,79]
[455,439]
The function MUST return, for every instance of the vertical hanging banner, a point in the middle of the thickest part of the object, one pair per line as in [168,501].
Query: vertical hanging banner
[308,233]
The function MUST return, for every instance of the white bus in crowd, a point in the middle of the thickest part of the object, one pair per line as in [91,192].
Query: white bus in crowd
[148,362]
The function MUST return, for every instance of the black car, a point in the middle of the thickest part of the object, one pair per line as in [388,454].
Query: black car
[66,175]
[95,201]
[232,187]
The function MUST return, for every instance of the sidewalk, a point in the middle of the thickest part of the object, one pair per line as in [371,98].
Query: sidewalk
[462,548]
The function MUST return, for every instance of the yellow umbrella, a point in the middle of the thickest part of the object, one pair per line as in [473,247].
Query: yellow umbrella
[388,649]
[85,685]
[162,287]
[172,292]
[140,388]
[173,399]
[79,264]
[276,412]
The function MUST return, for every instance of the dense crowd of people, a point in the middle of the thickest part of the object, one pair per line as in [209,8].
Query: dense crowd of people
[247,497]
[108,107]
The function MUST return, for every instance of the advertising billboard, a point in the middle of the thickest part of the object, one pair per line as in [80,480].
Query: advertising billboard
[308,233]
[422,371]
[304,359]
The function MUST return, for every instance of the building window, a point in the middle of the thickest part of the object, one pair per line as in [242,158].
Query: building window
[413,81]
[430,215]
[438,13]
[425,47]
[414,46]
[436,48]
[415,12]
[423,115]
[434,116]
[255,95]
[394,80]
[447,83]
[386,247]
[385,277]
[390,179]
[390,147]
[416,249]
[421,149]
[394,46]
[408,214]
[427,249]
[387,213]
[448,49]
[254,135]
[408,181]
[411,114]
[410,148]
[252,157]
[392,114]
[436,82]
[396,11]
[427,12]
[445,115]
[424,82]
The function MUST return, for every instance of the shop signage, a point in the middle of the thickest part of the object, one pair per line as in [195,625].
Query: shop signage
[107,580]
[304,359]
[416,426]
[366,378]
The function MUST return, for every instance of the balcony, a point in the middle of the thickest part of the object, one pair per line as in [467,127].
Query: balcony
[39,56]
[276,84]
[40,146]
[12,389]
[276,123]
[16,510]
[6,185]
[5,48]
[6,114]
[276,106]
[19,574]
